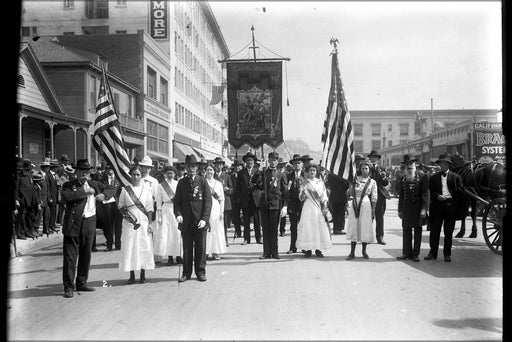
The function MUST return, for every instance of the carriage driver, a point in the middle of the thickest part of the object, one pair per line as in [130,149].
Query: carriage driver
[446,199]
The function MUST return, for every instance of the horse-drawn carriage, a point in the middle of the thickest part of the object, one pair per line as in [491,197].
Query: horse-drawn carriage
[485,188]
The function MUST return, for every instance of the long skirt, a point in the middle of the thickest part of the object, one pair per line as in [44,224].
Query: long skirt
[137,251]
[312,230]
[215,238]
[361,229]
[167,238]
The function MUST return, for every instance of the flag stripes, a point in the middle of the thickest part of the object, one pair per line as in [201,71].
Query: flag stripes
[217,91]
[338,152]
[107,138]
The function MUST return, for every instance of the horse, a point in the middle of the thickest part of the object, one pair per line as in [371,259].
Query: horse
[486,180]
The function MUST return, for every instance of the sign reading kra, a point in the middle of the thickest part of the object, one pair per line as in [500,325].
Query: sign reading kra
[159,21]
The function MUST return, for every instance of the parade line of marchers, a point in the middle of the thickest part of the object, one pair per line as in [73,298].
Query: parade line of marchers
[185,213]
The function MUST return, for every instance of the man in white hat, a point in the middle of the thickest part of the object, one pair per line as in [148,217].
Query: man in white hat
[146,164]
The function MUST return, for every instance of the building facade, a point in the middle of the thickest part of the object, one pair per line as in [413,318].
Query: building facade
[181,53]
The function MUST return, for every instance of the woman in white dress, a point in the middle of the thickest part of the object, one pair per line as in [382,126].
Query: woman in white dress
[313,231]
[167,238]
[215,239]
[137,251]
[362,210]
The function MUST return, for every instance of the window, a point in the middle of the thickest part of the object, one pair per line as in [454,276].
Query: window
[358,130]
[390,127]
[69,33]
[164,91]
[151,91]
[390,143]
[358,146]
[375,130]
[92,92]
[152,130]
[95,29]
[25,31]
[163,139]
[96,9]
[116,101]
[375,144]
[69,3]
[176,112]
[130,106]
[121,32]
[404,129]
[158,137]
[21,81]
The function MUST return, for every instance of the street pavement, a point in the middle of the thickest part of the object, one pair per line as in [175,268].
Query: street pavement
[245,298]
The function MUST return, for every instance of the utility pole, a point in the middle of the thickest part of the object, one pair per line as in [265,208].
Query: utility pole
[254,47]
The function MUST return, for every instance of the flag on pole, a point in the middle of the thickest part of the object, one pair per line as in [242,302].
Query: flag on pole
[338,155]
[217,91]
[107,137]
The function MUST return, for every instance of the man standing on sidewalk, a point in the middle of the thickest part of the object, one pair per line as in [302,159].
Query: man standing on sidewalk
[379,175]
[295,181]
[79,226]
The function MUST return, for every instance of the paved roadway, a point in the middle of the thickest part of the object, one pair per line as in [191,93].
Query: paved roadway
[246,298]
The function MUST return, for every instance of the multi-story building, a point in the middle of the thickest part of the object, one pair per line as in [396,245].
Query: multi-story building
[396,132]
[189,35]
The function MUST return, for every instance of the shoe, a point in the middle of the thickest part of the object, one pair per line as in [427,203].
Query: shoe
[179,260]
[170,261]
[350,256]
[227,244]
[447,258]
[201,277]
[281,234]
[415,258]
[276,256]
[85,288]
[259,242]
[216,257]
[142,277]
[183,279]
[403,257]
[342,232]
[292,251]
[337,232]
[132,278]
[380,242]
[245,242]
[366,256]
[308,254]
[108,249]
[265,256]
[319,253]
[473,234]
[68,293]
[430,257]
[460,234]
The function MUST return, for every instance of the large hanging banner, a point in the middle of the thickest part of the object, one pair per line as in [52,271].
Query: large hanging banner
[254,104]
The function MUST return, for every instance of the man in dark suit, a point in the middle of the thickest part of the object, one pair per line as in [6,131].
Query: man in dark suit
[192,207]
[281,167]
[45,209]
[235,212]
[24,196]
[111,216]
[447,199]
[295,181]
[413,202]
[338,200]
[229,189]
[273,205]
[53,193]
[248,193]
[379,175]
[79,226]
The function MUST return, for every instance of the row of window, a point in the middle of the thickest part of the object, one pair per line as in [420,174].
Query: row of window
[122,102]
[376,129]
[376,144]
[152,87]
[191,121]
[158,137]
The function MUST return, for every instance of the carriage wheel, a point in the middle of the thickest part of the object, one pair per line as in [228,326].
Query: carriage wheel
[492,224]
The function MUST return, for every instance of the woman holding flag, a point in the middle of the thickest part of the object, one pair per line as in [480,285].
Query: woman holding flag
[313,231]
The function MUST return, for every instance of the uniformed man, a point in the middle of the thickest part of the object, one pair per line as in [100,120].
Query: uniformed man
[380,177]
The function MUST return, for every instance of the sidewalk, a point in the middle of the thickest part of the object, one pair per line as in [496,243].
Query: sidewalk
[30,245]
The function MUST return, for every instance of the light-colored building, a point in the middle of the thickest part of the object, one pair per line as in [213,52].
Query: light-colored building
[191,41]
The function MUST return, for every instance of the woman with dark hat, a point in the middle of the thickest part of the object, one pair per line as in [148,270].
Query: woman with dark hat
[362,210]
[313,232]
[136,205]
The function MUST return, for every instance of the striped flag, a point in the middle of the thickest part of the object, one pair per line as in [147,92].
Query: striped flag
[217,91]
[107,137]
[337,136]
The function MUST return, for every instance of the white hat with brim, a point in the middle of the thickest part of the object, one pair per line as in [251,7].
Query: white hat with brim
[146,162]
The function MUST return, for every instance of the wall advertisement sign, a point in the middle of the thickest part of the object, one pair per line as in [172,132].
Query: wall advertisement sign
[488,142]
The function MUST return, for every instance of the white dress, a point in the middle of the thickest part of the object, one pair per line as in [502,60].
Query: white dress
[312,231]
[215,238]
[137,251]
[361,229]
[167,238]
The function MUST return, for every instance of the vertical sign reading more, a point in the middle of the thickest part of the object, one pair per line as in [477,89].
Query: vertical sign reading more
[158,19]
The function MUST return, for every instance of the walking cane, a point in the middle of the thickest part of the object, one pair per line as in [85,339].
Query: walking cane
[180,226]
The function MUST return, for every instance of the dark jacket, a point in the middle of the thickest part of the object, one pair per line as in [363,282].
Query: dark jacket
[24,190]
[338,188]
[456,189]
[248,186]
[75,198]
[53,191]
[381,182]
[225,179]
[294,185]
[274,193]
[193,201]
[413,196]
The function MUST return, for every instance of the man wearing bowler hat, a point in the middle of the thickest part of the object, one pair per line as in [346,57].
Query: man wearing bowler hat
[379,175]
[273,205]
[192,207]
[79,226]
[248,190]
[446,199]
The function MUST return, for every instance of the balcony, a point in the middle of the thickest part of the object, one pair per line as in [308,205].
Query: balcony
[134,124]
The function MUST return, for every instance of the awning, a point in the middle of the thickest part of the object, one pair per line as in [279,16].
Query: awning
[209,156]
[182,150]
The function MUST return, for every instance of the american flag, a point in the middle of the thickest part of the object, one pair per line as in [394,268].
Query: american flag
[337,136]
[217,91]
[107,137]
